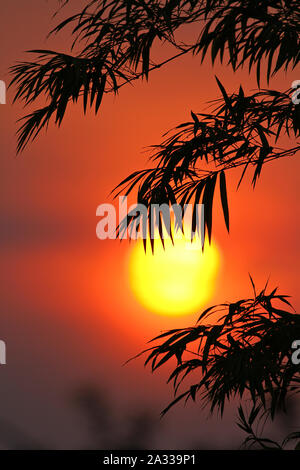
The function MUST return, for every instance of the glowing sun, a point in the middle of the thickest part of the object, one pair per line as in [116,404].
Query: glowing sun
[176,281]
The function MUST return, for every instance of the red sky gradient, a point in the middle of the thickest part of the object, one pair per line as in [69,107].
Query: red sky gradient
[68,315]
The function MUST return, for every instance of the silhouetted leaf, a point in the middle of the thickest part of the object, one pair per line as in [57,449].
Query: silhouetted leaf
[223,192]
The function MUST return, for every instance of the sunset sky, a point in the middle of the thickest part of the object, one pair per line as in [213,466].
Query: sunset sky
[68,314]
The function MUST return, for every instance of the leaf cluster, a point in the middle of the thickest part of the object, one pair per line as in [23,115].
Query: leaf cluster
[241,131]
[250,424]
[244,353]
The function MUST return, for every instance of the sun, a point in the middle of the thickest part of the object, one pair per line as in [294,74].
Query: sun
[176,281]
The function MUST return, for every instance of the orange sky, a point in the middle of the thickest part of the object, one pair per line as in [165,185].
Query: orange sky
[68,314]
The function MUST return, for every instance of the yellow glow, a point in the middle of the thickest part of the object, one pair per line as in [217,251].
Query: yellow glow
[176,281]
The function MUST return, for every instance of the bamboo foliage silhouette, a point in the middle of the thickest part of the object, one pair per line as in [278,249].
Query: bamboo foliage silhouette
[241,132]
[247,424]
[245,351]
[113,40]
